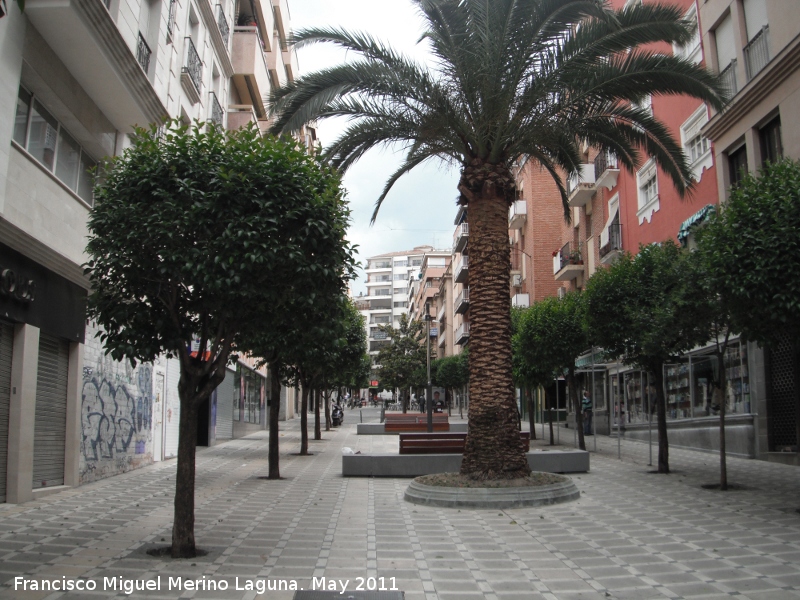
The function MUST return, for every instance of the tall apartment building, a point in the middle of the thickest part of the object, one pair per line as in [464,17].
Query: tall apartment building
[755,46]
[76,78]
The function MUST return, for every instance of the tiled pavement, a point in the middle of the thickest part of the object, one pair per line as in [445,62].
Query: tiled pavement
[633,534]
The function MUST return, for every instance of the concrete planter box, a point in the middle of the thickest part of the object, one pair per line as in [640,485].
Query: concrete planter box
[495,498]
[414,465]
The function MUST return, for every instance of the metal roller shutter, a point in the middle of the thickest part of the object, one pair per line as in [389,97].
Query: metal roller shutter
[6,345]
[225,407]
[172,407]
[50,430]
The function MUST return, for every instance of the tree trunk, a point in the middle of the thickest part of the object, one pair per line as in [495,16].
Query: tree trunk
[576,404]
[531,415]
[723,463]
[796,374]
[183,545]
[317,430]
[492,449]
[304,422]
[274,412]
[447,398]
[661,412]
[327,396]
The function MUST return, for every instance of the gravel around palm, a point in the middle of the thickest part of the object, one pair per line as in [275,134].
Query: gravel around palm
[457,480]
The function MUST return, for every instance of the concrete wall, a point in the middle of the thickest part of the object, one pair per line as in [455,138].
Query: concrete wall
[116,414]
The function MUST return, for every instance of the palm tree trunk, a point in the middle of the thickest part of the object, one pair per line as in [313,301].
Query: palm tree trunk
[492,449]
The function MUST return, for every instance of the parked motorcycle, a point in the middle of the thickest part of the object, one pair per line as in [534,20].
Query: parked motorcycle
[337,414]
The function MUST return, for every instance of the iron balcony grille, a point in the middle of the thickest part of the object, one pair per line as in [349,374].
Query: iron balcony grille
[194,66]
[614,239]
[756,53]
[216,109]
[564,255]
[603,161]
[171,18]
[728,78]
[143,54]
[222,23]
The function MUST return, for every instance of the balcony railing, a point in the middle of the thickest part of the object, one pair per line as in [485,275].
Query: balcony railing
[756,53]
[143,53]
[222,23]
[173,5]
[461,237]
[194,66]
[216,109]
[462,334]
[728,79]
[462,270]
[614,239]
[462,302]
[604,161]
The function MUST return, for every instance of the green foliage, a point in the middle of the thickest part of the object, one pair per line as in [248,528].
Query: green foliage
[752,249]
[211,234]
[511,79]
[403,362]
[642,308]
[451,372]
[549,336]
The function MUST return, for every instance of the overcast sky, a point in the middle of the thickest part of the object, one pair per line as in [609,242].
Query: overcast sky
[421,207]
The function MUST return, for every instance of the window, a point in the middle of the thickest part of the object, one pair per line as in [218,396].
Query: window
[696,146]
[692,50]
[400,276]
[771,141]
[737,165]
[415,262]
[402,304]
[647,183]
[38,132]
[381,292]
[401,263]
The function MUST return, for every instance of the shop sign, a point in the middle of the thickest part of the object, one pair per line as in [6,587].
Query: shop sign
[16,286]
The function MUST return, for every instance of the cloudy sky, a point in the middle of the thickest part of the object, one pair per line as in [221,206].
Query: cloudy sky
[421,207]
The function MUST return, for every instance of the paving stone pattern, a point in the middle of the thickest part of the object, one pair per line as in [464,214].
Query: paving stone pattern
[632,535]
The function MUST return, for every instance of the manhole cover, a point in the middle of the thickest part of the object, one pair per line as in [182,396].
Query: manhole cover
[356,595]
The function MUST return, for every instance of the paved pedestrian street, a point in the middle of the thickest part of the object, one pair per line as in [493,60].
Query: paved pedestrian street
[633,534]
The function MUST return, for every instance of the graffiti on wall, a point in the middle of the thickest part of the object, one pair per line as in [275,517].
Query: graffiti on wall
[116,417]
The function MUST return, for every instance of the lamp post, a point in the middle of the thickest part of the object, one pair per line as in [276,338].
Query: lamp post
[429,392]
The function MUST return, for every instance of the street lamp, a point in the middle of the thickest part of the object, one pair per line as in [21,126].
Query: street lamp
[429,393]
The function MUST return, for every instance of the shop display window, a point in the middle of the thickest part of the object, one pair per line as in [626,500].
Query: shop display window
[679,394]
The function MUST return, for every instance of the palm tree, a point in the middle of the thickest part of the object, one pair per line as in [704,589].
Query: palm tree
[510,78]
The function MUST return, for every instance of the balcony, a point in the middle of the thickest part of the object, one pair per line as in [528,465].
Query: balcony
[461,304]
[214,109]
[192,72]
[377,334]
[606,169]
[567,265]
[143,53]
[460,238]
[521,300]
[250,74]
[222,25]
[440,316]
[377,266]
[517,213]
[462,334]
[611,242]
[581,186]
[240,115]
[88,42]
[728,78]
[756,53]
[170,19]
[462,270]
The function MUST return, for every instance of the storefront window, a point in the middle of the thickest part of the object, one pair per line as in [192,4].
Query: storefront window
[250,390]
[736,371]
[704,372]
[679,395]
[634,394]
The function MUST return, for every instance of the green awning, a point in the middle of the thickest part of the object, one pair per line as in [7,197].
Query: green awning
[697,218]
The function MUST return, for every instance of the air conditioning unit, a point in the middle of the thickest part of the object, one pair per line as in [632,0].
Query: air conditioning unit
[516,280]
[562,291]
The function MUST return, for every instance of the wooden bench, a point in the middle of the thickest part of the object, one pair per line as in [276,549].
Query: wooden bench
[414,422]
[444,443]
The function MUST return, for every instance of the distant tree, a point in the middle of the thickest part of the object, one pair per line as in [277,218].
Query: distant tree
[552,334]
[403,359]
[451,373]
[753,253]
[642,310]
[196,236]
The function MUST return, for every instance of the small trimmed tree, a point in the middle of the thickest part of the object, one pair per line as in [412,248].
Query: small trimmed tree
[194,237]
[552,334]
[642,310]
[753,252]
[403,359]
[451,373]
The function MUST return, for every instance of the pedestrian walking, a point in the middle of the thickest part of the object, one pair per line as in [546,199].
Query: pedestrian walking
[586,407]
[422,403]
